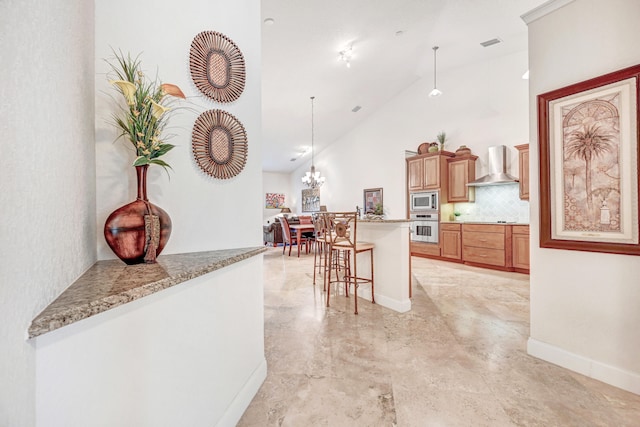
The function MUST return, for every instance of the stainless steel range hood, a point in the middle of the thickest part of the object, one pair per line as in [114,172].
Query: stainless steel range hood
[497,169]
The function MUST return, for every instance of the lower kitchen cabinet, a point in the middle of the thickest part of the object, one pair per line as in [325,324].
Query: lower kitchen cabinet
[496,246]
[450,241]
[428,249]
[520,242]
[485,244]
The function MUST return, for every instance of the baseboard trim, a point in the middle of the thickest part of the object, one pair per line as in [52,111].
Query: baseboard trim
[612,375]
[393,304]
[242,400]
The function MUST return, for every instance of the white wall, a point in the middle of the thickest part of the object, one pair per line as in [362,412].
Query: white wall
[47,202]
[273,182]
[203,210]
[584,306]
[49,129]
[186,356]
[482,105]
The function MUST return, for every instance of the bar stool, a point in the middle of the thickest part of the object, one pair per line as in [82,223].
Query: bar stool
[343,237]
[320,245]
[322,224]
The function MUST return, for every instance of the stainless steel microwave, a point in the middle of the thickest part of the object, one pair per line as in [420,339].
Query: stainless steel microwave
[424,201]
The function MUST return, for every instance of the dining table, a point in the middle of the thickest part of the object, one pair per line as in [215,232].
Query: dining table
[299,229]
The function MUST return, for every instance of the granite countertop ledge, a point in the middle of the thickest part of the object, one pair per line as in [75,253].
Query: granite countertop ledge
[110,283]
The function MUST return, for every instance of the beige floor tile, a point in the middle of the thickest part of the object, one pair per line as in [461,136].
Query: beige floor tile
[458,358]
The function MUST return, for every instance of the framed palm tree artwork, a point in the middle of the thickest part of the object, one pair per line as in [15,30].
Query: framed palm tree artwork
[588,146]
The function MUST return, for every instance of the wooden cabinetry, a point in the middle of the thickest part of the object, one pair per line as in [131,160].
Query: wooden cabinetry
[415,173]
[425,249]
[461,171]
[433,168]
[496,246]
[486,244]
[429,172]
[523,166]
[450,241]
[520,248]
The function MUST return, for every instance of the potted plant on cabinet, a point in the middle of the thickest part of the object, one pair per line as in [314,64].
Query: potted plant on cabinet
[442,138]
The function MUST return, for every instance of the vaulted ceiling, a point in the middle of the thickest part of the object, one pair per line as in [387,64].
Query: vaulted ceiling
[391,43]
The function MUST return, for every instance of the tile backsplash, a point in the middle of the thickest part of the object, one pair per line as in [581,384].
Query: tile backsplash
[495,203]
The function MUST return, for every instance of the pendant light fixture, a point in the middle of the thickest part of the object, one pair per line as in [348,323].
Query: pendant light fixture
[435,91]
[312,179]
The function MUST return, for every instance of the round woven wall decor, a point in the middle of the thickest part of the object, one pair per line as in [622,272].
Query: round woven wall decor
[217,66]
[219,144]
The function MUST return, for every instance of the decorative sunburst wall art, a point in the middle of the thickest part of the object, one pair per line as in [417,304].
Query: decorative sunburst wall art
[217,66]
[219,143]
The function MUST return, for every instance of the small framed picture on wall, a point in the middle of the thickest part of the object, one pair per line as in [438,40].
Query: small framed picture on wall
[274,201]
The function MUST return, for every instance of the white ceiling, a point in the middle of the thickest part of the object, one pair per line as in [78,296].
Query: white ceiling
[300,59]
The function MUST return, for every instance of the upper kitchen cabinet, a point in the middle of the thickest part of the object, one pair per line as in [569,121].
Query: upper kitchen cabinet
[429,172]
[461,170]
[523,165]
[415,173]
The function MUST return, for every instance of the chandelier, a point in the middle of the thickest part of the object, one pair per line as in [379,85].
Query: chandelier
[312,179]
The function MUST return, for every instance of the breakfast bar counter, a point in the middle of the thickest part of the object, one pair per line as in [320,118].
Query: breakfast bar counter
[391,261]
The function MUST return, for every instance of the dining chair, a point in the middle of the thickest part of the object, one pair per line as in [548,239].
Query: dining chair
[343,228]
[290,238]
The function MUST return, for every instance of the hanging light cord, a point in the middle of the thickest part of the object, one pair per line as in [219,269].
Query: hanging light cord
[435,48]
[312,150]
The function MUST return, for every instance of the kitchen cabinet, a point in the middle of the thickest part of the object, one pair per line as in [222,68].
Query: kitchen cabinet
[487,244]
[425,249]
[496,246]
[415,173]
[461,171]
[429,172]
[451,241]
[523,166]
[520,248]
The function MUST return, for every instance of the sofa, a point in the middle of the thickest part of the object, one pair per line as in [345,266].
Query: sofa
[272,233]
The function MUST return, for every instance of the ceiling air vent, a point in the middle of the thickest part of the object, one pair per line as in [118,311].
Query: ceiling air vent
[491,42]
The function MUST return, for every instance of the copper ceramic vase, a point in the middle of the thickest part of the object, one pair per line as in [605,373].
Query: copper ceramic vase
[137,232]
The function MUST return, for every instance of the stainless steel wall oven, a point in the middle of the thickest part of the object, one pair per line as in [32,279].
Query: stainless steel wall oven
[425,227]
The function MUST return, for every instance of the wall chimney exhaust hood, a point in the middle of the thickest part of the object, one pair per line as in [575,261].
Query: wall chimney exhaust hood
[497,169]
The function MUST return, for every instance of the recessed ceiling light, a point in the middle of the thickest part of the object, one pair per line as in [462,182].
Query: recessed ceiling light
[356,108]
[269,21]
[491,42]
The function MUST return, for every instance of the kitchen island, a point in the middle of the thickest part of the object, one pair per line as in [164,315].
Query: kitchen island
[392,262]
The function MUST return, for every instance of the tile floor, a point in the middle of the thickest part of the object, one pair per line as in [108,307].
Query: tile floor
[458,358]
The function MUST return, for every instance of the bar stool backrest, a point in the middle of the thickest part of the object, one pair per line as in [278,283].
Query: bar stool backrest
[343,226]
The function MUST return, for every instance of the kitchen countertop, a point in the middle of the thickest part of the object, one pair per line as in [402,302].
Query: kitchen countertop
[385,221]
[484,222]
[111,283]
